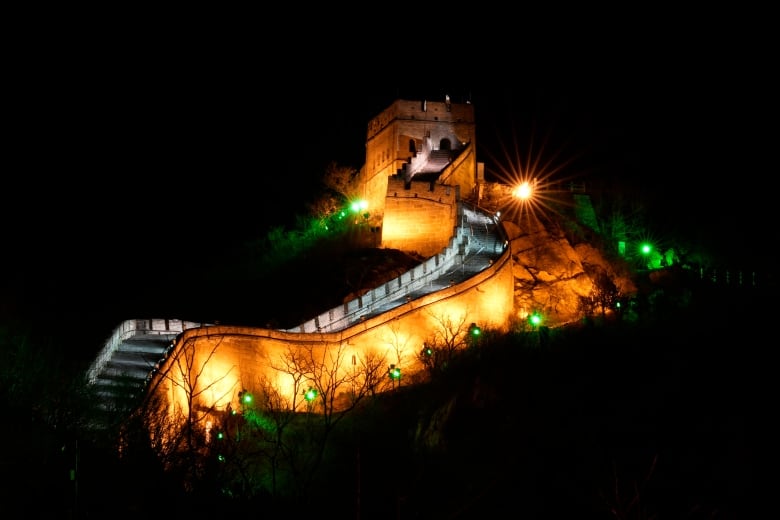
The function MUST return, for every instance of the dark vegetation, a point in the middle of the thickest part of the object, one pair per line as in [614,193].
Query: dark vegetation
[659,412]
[656,416]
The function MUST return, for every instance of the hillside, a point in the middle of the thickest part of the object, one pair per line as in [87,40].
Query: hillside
[668,407]
[658,418]
[298,289]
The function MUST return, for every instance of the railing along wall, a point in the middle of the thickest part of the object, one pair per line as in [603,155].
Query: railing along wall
[341,317]
[166,329]
[421,275]
[731,277]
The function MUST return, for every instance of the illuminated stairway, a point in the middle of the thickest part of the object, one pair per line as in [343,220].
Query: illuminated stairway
[131,356]
[437,161]
[125,375]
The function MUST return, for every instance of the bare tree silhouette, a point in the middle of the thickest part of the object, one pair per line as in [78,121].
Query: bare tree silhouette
[449,336]
[180,425]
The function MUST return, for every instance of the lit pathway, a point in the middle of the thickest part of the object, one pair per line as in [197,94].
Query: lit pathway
[486,244]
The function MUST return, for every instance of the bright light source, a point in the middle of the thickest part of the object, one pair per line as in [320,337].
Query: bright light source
[245,397]
[523,191]
[359,205]
[535,319]
[474,330]
[394,373]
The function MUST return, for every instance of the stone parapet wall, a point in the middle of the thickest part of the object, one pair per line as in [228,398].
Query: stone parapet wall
[422,110]
[464,172]
[341,317]
[228,359]
[421,218]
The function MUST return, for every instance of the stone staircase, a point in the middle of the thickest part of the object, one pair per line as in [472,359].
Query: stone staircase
[437,161]
[129,359]
[428,171]
[131,364]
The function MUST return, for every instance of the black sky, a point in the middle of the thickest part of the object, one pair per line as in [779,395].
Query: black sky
[125,152]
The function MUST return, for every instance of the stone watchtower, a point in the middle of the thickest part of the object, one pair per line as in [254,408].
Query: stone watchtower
[422,150]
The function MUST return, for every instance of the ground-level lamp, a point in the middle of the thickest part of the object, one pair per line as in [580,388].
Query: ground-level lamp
[245,398]
[310,395]
[394,373]
[535,319]
[474,333]
[360,207]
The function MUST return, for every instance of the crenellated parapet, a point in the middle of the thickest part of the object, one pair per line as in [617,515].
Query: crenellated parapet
[411,137]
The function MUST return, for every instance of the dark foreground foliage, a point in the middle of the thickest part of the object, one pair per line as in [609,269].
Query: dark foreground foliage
[660,416]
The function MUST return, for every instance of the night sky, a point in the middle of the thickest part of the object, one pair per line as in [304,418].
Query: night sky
[124,153]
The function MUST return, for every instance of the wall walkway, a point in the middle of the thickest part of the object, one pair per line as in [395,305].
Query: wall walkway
[472,276]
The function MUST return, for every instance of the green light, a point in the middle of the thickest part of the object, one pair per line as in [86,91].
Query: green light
[359,205]
[428,351]
[245,398]
[475,331]
[310,395]
[645,248]
[220,435]
[535,319]
[394,373]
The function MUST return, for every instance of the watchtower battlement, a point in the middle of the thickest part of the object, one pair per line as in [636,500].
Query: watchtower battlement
[434,141]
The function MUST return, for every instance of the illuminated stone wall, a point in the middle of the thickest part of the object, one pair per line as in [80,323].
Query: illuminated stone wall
[222,360]
[420,219]
[461,172]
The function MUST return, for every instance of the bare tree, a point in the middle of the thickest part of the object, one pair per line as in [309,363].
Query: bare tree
[338,389]
[398,342]
[181,428]
[448,337]
[370,375]
[398,348]
[333,389]
[274,442]
[251,443]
